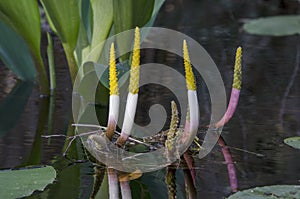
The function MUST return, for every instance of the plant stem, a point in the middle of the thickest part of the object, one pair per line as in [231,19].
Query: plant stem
[51,62]
[73,68]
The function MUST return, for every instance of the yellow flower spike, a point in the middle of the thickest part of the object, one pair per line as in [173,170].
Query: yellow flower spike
[190,79]
[135,64]
[237,78]
[113,78]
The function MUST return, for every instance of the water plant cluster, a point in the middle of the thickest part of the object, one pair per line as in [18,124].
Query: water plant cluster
[172,139]
[82,27]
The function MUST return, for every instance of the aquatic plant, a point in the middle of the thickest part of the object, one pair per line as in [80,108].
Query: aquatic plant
[171,138]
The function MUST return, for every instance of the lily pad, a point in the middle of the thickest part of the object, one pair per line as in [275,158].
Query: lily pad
[293,142]
[23,182]
[269,192]
[274,26]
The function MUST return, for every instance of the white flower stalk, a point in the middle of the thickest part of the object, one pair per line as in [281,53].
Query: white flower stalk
[114,99]
[133,91]
[192,122]
[114,102]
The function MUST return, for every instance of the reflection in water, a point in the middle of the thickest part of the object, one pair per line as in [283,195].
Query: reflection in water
[266,113]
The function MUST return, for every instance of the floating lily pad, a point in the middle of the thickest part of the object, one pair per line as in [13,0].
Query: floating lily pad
[293,142]
[23,182]
[269,192]
[274,26]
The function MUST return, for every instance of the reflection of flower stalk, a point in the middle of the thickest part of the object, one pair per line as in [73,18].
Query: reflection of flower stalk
[131,104]
[234,98]
[112,119]
[230,165]
[236,88]
[171,181]
[192,119]
[171,150]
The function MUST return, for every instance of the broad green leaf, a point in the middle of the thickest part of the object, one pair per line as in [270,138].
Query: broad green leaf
[102,18]
[85,29]
[12,106]
[23,16]
[157,6]
[127,15]
[64,18]
[131,13]
[15,53]
[293,142]
[23,182]
[269,192]
[274,26]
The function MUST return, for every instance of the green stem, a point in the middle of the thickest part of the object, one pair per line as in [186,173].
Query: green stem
[51,63]
[51,112]
[73,69]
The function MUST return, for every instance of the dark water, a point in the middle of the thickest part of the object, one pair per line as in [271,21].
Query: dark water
[268,110]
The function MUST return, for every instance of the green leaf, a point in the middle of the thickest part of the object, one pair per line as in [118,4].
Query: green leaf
[293,142]
[12,106]
[85,29]
[131,13]
[15,53]
[157,6]
[127,15]
[64,19]
[102,18]
[269,192]
[23,16]
[274,26]
[23,182]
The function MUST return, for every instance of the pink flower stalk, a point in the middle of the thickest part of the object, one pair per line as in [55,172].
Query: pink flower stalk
[233,102]
[236,88]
